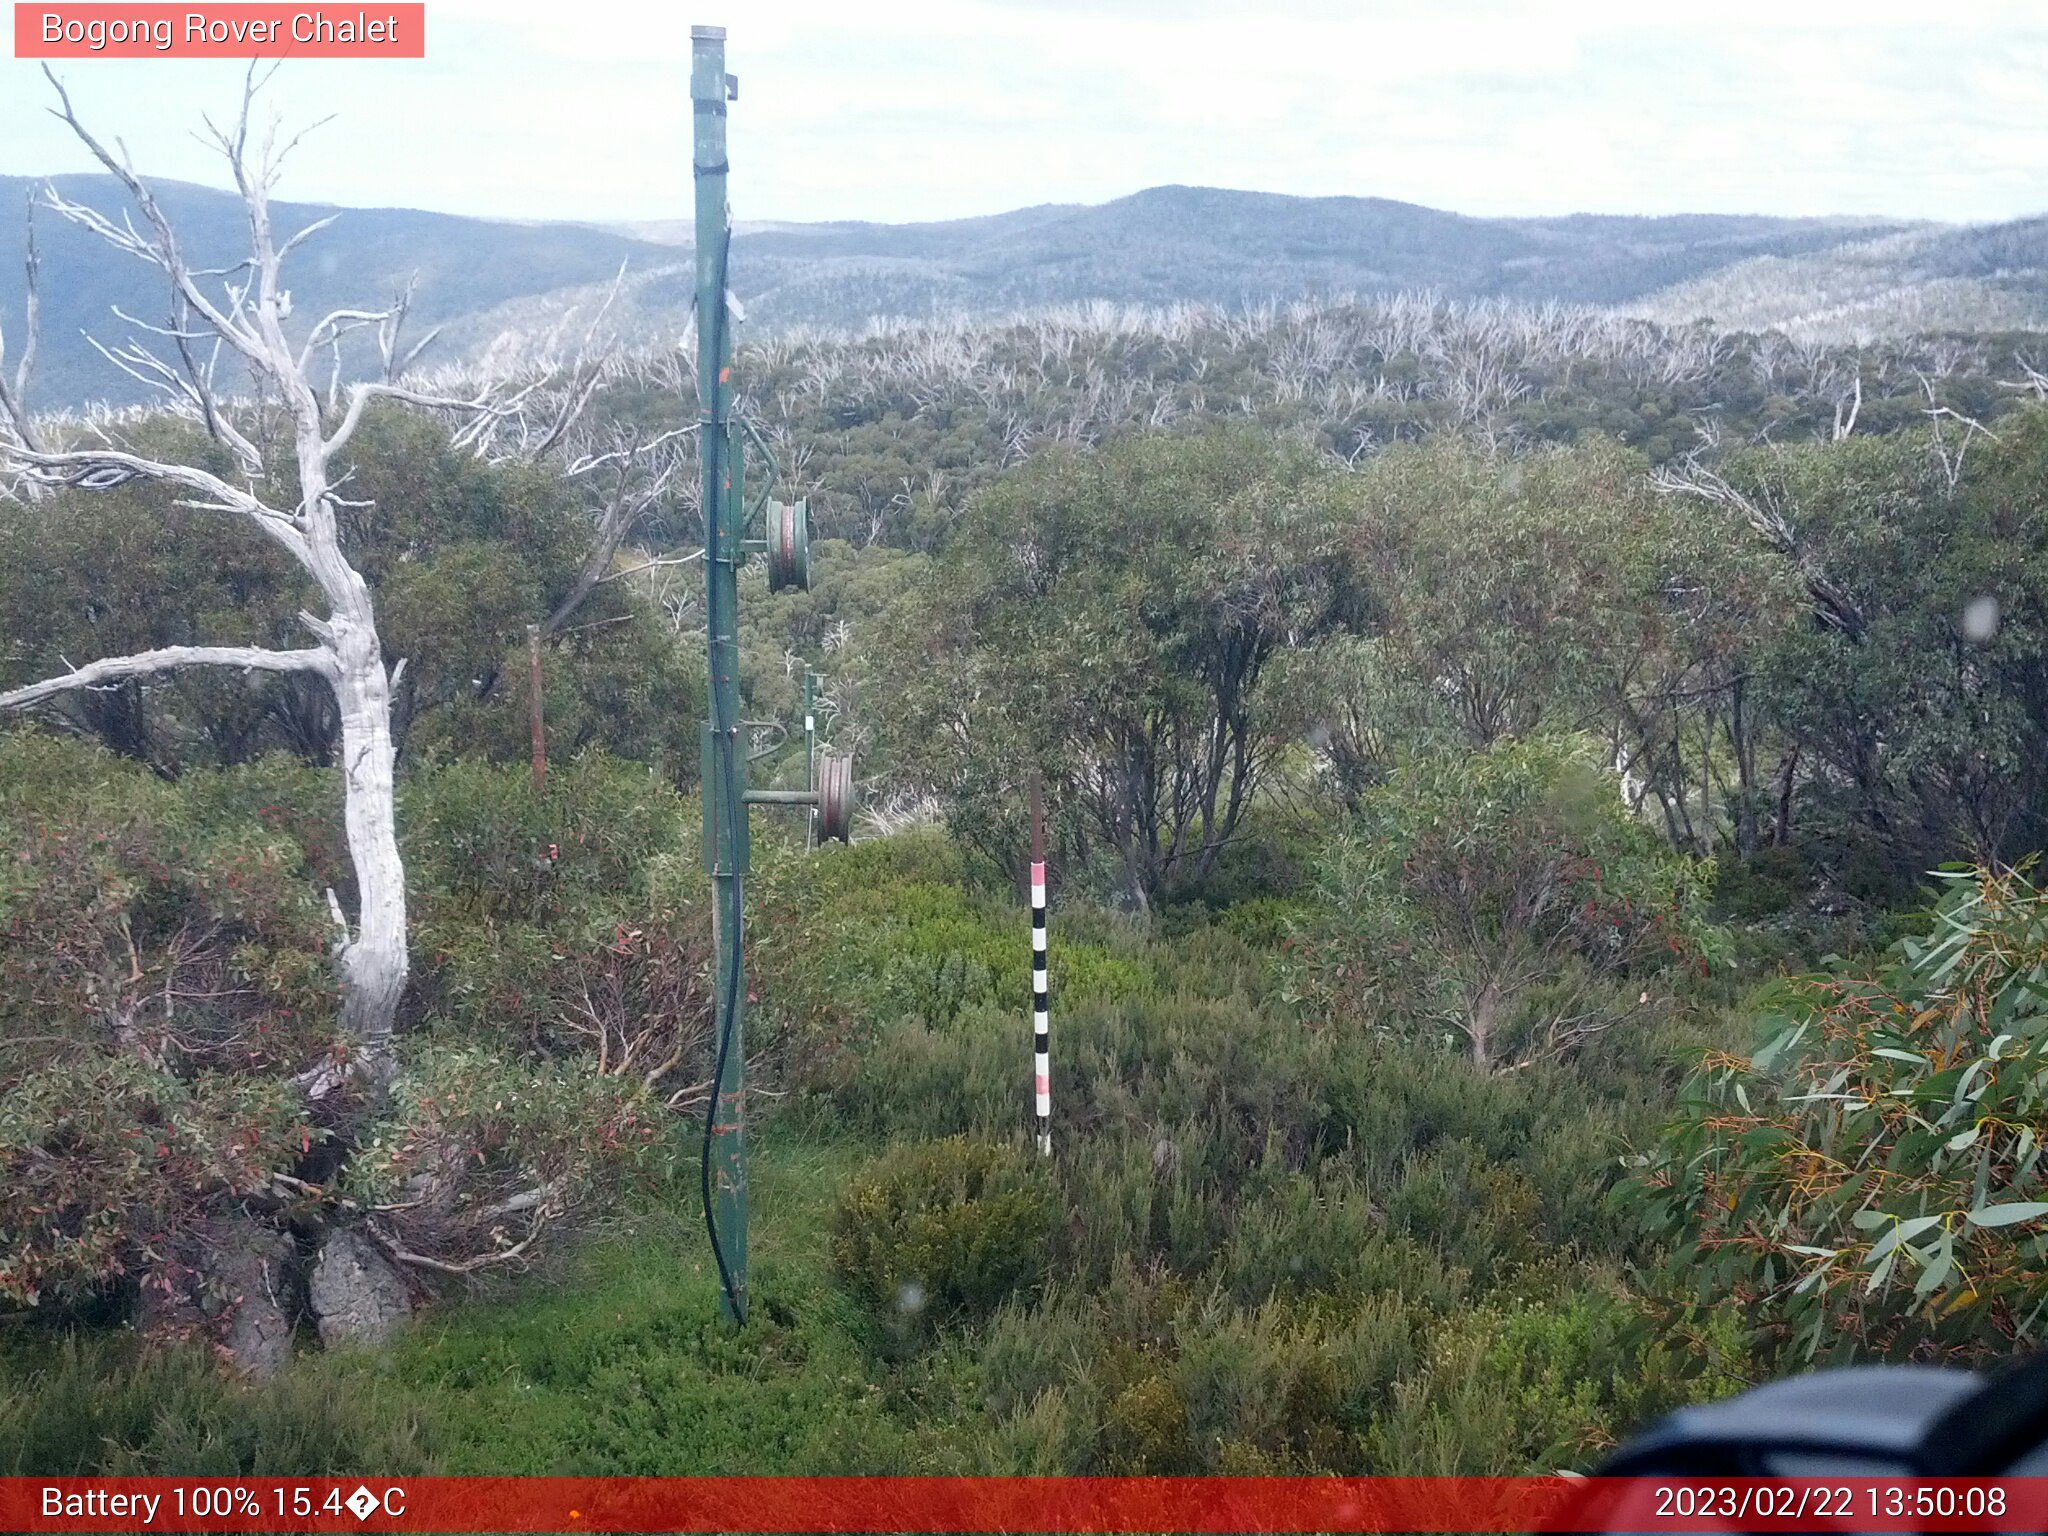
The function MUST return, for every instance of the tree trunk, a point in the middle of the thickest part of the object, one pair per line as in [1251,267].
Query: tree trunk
[1782,833]
[1479,1029]
[374,964]
[1682,789]
[1745,803]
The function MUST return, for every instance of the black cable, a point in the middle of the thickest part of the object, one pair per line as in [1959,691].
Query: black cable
[732,991]
[733,809]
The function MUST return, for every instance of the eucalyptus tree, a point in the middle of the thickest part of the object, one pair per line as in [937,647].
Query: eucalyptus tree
[1109,617]
[1915,690]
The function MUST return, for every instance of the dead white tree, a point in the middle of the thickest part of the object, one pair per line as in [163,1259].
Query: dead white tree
[2033,379]
[1847,408]
[14,395]
[1951,446]
[1766,514]
[242,311]
[630,476]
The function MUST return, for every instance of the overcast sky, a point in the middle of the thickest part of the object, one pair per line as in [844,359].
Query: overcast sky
[929,109]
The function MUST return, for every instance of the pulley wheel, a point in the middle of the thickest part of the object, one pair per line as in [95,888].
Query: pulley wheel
[789,546]
[835,797]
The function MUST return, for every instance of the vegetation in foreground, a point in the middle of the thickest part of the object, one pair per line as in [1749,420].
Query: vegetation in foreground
[1435,834]
[1259,1248]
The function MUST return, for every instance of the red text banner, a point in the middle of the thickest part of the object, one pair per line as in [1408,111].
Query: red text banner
[240,31]
[1050,1504]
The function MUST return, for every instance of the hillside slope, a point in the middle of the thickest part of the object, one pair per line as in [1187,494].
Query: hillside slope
[501,284]
[1202,243]
[462,264]
[1977,278]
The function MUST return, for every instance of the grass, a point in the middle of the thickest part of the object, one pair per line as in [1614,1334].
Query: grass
[622,1367]
[614,1363]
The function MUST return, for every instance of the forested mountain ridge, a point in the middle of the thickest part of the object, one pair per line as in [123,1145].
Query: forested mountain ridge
[366,256]
[1225,246]
[488,279]
[1938,277]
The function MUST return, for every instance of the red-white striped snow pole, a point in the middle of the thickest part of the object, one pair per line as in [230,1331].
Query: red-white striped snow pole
[1041,1001]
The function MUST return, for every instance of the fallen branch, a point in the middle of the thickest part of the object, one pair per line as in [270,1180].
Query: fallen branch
[404,1255]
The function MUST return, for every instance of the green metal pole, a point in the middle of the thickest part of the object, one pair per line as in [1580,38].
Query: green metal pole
[725,841]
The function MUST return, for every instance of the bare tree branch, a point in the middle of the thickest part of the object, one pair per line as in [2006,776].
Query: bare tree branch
[14,397]
[403,1255]
[101,469]
[480,407]
[2035,379]
[641,476]
[1950,456]
[164,252]
[1831,600]
[170,659]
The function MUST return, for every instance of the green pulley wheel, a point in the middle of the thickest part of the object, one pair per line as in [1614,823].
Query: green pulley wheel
[835,797]
[789,546]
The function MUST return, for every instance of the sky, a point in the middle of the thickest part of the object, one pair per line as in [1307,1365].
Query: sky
[902,110]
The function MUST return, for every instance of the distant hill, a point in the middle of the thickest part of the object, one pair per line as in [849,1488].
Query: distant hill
[1940,278]
[1202,243]
[497,284]
[463,264]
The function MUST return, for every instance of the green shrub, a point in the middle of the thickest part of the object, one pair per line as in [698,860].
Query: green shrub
[183,915]
[932,1232]
[1484,898]
[1772,880]
[568,924]
[1148,1374]
[1269,858]
[850,943]
[1147,1432]
[476,1155]
[482,848]
[916,1082]
[108,1166]
[162,971]
[1262,921]
[1869,1181]
[1517,1387]
[1327,1237]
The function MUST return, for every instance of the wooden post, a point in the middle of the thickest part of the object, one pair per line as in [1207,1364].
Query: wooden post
[540,739]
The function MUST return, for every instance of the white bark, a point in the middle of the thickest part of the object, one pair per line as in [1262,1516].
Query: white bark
[1833,603]
[248,320]
[171,658]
